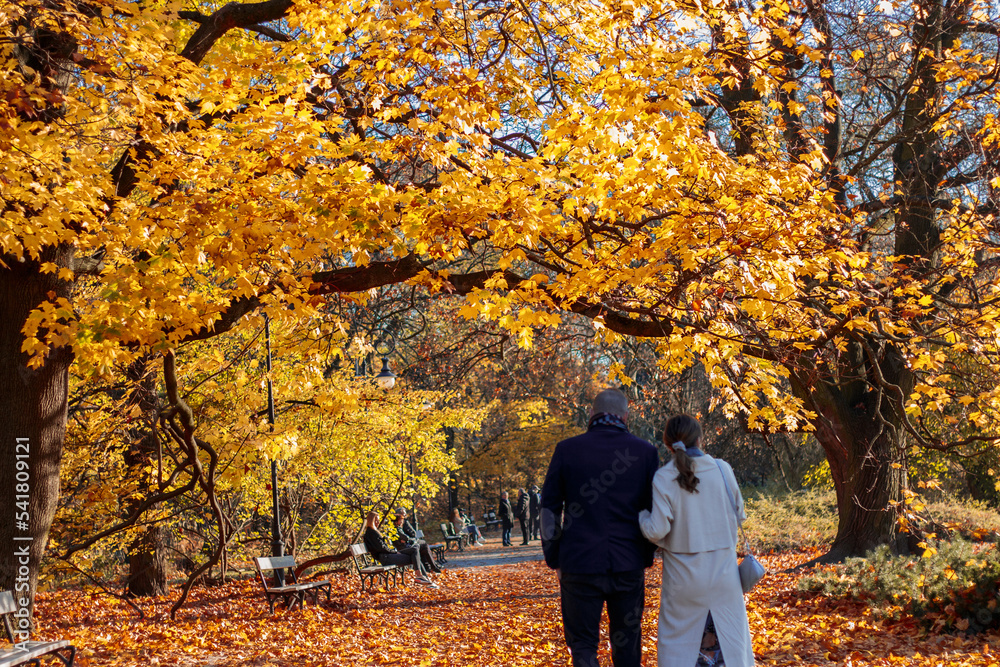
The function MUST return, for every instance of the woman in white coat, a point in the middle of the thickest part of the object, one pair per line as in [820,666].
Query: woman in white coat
[695,522]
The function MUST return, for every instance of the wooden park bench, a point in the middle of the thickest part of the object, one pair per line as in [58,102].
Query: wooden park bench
[368,569]
[450,538]
[293,593]
[28,653]
[491,520]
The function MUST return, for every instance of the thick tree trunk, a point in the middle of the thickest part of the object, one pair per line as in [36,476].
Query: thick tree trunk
[869,497]
[147,563]
[32,424]
[861,435]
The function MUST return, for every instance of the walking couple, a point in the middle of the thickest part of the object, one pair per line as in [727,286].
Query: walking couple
[605,510]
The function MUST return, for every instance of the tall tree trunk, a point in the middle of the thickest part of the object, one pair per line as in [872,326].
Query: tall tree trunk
[453,475]
[32,423]
[869,480]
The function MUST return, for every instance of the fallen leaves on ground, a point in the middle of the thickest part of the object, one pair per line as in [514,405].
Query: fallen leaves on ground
[497,616]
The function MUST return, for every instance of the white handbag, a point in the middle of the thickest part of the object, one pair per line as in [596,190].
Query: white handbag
[751,570]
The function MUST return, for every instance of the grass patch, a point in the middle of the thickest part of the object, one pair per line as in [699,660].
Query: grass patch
[779,521]
[970,520]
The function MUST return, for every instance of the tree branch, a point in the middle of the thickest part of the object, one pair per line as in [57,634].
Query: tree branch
[233,15]
[370,276]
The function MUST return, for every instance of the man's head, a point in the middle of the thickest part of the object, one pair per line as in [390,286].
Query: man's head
[504,495]
[535,488]
[401,511]
[610,401]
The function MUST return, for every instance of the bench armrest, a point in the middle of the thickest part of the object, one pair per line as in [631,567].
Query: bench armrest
[322,560]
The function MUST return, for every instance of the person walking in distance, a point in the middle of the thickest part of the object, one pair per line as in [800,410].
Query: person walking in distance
[595,487]
[703,617]
[534,507]
[506,518]
[521,511]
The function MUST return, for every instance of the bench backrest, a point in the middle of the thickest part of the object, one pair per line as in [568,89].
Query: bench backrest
[7,608]
[281,563]
[275,563]
[447,529]
[360,556]
[420,534]
[7,605]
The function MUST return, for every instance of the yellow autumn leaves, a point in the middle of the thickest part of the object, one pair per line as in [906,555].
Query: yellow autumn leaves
[566,140]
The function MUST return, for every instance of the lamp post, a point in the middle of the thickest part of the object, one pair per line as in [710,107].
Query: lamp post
[413,494]
[277,545]
[384,346]
[386,378]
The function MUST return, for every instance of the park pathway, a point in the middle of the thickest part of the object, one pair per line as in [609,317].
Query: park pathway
[494,553]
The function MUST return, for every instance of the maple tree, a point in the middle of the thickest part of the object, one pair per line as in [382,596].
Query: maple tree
[886,352]
[167,172]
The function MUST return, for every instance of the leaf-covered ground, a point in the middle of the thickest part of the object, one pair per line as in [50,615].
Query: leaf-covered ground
[502,615]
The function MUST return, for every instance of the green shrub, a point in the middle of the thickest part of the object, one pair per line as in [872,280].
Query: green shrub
[953,585]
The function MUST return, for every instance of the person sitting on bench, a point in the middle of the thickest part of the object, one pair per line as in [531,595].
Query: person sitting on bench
[380,550]
[406,537]
[461,526]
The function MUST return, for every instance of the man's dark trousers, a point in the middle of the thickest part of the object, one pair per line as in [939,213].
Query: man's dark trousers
[583,600]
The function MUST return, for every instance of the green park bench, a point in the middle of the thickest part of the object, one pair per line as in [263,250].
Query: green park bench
[28,653]
[491,520]
[450,538]
[436,549]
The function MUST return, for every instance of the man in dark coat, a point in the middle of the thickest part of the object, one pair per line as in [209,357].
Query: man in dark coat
[521,512]
[534,507]
[596,485]
[506,515]
[406,536]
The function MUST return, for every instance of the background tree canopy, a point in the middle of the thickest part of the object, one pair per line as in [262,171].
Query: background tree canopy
[801,197]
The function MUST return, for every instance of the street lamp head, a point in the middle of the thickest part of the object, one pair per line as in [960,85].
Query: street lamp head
[386,378]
